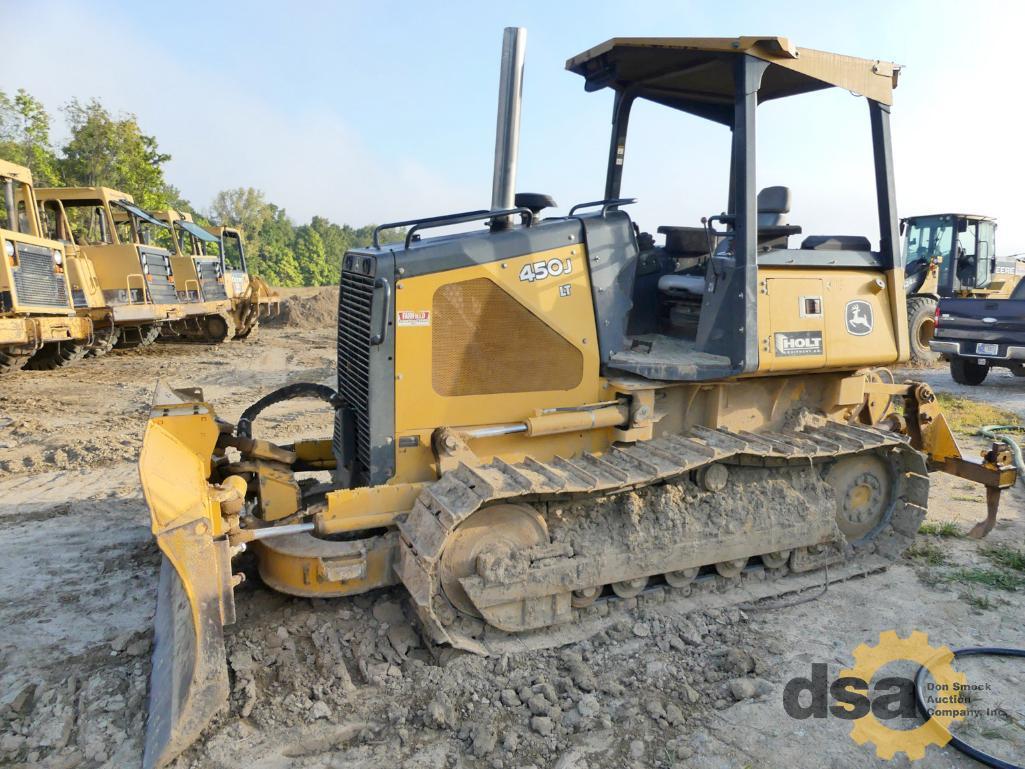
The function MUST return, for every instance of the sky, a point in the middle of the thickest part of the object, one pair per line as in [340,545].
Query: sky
[372,112]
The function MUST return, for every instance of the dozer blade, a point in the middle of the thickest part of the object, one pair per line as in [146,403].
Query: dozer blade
[189,677]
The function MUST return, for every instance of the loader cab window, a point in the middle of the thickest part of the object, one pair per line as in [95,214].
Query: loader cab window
[967,253]
[986,259]
[929,240]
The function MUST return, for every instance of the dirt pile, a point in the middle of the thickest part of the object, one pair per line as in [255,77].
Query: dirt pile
[307,312]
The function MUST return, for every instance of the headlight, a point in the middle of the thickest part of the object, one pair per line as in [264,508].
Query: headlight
[9,248]
[145,269]
[58,257]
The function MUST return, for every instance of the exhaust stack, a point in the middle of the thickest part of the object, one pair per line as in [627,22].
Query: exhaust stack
[507,131]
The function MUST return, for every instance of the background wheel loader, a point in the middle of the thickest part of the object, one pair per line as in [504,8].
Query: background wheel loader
[947,255]
[538,420]
[39,327]
[119,278]
[251,297]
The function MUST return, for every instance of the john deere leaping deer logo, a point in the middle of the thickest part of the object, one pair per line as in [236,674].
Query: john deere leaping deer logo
[859,317]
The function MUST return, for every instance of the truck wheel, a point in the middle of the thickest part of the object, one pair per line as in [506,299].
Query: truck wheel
[968,372]
[921,323]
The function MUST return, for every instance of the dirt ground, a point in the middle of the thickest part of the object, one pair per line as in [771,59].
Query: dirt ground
[346,683]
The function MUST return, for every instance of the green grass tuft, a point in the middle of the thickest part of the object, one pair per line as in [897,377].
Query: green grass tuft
[994,578]
[1005,556]
[966,416]
[979,602]
[941,529]
[928,553]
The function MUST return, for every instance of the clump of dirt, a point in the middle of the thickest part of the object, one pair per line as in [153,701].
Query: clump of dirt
[647,518]
[308,312]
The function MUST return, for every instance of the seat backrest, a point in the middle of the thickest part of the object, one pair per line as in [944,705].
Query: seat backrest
[773,206]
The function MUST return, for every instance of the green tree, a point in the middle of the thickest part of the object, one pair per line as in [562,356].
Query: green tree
[114,152]
[244,208]
[337,240]
[25,136]
[280,267]
[312,258]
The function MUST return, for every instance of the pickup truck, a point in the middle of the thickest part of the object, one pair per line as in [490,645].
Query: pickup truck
[976,335]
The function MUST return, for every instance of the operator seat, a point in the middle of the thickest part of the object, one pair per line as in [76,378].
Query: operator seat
[773,229]
[773,232]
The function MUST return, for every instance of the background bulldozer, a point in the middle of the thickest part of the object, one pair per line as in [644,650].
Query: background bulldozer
[198,280]
[120,279]
[251,297]
[39,327]
[537,421]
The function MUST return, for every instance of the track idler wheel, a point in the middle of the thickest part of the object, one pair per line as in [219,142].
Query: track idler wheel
[498,530]
[218,328]
[863,486]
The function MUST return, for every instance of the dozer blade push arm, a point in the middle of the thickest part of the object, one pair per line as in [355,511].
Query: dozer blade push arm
[930,433]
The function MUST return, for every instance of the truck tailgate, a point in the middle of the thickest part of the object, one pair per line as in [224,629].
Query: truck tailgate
[991,321]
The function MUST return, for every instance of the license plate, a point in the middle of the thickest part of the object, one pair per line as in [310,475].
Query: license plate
[983,348]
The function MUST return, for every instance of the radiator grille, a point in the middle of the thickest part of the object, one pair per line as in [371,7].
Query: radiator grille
[161,285]
[208,271]
[35,282]
[355,312]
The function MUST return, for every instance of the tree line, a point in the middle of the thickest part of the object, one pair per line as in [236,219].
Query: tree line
[105,149]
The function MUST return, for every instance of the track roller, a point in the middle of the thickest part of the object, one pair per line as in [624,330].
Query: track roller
[731,568]
[630,588]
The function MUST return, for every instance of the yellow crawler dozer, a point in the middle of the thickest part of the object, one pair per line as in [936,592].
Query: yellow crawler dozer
[39,328]
[555,414]
[198,280]
[252,299]
[120,278]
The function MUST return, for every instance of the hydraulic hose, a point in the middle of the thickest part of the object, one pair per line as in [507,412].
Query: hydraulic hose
[961,745]
[244,429]
[992,431]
